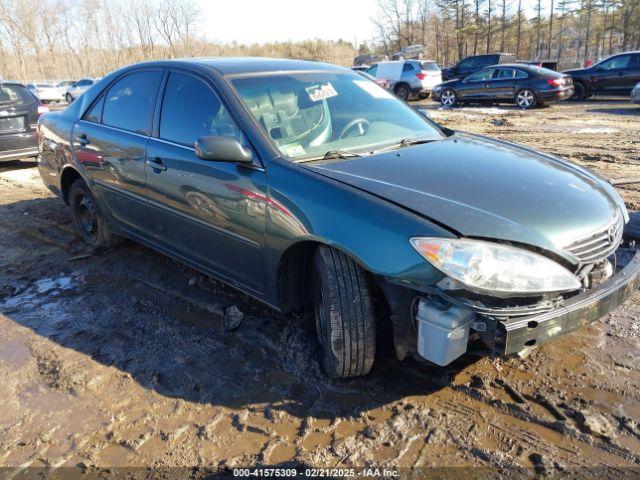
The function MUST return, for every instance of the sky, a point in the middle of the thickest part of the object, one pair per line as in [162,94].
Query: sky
[262,21]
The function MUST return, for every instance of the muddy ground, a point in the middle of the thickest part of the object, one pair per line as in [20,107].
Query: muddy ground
[119,357]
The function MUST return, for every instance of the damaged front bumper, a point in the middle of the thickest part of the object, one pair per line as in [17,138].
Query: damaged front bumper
[443,328]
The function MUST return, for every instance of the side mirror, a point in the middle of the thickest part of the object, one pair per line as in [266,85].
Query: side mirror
[219,148]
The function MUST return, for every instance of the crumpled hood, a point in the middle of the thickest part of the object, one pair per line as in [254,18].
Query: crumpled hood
[486,189]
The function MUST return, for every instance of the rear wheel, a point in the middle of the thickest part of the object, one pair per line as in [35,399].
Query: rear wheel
[526,99]
[87,219]
[344,315]
[448,98]
[403,91]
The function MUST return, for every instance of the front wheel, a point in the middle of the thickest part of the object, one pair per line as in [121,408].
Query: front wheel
[344,315]
[448,98]
[87,218]
[579,92]
[526,99]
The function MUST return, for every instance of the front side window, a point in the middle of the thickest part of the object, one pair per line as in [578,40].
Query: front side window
[190,109]
[129,102]
[308,114]
[408,67]
[481,76]
[615,63]
[467,63]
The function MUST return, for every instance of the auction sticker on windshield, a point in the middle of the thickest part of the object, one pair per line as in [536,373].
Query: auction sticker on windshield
[321,92]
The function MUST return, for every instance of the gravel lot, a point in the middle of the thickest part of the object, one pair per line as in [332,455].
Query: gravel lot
[119,357]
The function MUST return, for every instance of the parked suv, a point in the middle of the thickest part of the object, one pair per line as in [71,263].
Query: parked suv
[469,65]
[78,88]
[410,78]
[615,75]
[19,110]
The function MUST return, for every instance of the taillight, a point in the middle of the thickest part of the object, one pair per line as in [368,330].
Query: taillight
[554,82]
[421,76]
[42,109]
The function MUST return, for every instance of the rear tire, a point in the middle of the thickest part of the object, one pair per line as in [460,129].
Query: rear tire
[344,315]
[403,91]
[88,219]
[526,99]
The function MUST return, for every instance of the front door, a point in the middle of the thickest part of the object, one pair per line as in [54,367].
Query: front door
[210,213]
[477,86]
[611,76]
[110,143]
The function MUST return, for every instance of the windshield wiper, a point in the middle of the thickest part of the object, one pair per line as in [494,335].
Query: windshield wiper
[405,142]
[331,155]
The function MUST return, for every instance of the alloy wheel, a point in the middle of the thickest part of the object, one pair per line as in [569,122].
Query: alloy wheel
[448,98]
[525,99]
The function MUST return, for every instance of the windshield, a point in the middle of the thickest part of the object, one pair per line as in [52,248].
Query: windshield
[308,114]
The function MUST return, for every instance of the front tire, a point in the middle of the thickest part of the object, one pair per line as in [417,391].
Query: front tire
[344,315]
[579,92]
[448,98]
[88,219]
[526,99]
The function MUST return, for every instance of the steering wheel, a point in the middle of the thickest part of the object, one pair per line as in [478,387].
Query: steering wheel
[359,126]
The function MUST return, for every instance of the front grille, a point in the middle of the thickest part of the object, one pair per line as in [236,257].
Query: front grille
[598,245]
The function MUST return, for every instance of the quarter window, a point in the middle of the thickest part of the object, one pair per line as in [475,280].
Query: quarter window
[129,102]
[95,114]
[190,109]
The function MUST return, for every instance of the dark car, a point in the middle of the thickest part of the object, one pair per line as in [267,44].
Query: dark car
[524,85]
[548,64]
[615,75]
[19,111]
[307,186]
[469,65]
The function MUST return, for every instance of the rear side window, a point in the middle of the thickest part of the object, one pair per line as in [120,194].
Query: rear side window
[128,103]
[430,67]
[15,94]
[190,109]
[408,67]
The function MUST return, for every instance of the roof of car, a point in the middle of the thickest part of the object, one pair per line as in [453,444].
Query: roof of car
[244,65]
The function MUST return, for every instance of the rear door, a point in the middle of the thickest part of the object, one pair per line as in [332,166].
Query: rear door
[210,213]
[110,142]
[504,83]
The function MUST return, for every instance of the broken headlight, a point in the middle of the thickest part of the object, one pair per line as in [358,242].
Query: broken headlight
[491,267]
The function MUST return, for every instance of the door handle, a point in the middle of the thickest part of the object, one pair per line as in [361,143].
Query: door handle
[156,164]
[82,139]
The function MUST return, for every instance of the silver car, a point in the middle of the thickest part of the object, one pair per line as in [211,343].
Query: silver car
[416,79]
[78,88]
[635,94]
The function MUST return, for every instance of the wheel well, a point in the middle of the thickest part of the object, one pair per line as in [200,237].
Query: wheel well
[404,84]
[69,175]
[295,281]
